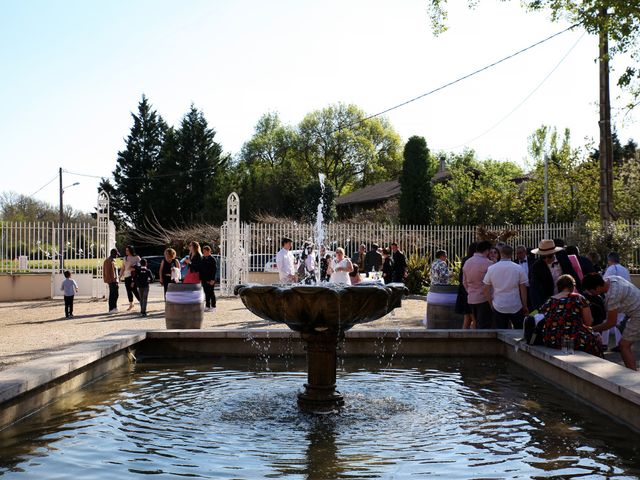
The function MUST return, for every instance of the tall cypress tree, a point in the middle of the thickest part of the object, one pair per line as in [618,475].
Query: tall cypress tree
[415,181]
[197,160]
[137,164]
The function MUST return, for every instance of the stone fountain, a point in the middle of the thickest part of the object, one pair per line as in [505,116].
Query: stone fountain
[321,314]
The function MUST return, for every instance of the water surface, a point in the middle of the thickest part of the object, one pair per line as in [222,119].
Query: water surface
[238,419]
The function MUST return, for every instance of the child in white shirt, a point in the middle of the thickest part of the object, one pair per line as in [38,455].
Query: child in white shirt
[70,288]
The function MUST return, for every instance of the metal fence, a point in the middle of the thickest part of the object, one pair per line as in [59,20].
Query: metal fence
[48,247]
[422,239]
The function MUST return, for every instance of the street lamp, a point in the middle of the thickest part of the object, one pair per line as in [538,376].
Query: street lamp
[62,189]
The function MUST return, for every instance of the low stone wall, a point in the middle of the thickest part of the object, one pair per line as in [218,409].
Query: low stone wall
[265,278]
[25,286]
[604,385]
[33,385]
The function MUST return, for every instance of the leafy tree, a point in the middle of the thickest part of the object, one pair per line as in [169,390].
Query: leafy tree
[621,153]
[478,193]
[136,165]
[626,188]
[16,207]
[415,181]
[352,150]
[271,145]
[617,24]
[311,198]
[271,180]
[572,179]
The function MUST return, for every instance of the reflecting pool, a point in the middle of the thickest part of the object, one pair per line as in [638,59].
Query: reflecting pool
[435,418]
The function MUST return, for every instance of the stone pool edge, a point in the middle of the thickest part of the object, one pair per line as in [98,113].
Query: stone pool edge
[606,386]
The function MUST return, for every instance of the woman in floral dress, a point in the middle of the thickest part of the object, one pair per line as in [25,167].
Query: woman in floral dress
[567,314]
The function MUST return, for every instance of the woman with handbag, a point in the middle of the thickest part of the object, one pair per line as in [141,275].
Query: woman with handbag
[194,261]
[168,267]
[130,261]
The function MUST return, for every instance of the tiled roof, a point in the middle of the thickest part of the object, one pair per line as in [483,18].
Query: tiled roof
[372,193]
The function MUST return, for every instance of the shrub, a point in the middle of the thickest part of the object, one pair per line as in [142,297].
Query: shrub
[611,237]
[417,273]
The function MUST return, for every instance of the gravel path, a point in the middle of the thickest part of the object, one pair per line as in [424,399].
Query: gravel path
[33,329]
[30,330]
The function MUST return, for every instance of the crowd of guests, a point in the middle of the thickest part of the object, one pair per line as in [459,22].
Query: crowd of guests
[387,264]
[200,268]
[555,294]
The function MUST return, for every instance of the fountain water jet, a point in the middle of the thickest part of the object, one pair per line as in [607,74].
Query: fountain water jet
[321,313]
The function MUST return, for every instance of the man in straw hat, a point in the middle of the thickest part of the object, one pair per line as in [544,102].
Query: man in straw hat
[551,264]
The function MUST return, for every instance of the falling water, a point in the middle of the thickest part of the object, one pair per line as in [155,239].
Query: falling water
[319,228]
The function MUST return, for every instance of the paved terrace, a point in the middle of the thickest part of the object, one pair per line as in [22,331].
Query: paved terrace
[34,329]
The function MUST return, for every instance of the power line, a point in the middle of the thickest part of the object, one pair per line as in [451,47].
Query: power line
[469,75]
[45,185]
[442,87]
[85,174]
[161,175]
[524,99]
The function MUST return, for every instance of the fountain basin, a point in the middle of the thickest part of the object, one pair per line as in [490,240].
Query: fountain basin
[232,418]
[312,308]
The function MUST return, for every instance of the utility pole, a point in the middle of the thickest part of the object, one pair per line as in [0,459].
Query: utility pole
[607,211]
[61,220]
[546,196]
[61,214]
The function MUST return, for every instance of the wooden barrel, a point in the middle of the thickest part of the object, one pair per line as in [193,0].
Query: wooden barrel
[184,307]
[441,308]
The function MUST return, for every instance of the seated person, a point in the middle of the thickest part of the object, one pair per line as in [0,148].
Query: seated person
[597,307]
[567,314]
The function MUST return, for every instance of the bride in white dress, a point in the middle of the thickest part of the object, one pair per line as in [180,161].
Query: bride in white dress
[340,268]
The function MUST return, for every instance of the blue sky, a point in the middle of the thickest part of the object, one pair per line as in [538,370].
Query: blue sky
[74,70]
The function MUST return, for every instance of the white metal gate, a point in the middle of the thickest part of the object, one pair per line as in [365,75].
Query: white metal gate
[51,248]
[234,248]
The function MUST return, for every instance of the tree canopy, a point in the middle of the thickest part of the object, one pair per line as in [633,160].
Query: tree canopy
[167,174]
[416,200]
[353,151]
[15,207]
[279,166]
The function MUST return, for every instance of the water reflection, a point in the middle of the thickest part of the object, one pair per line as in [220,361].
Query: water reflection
[433,417]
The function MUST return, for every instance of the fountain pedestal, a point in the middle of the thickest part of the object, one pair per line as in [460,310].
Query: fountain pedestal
[321,314]
[320,394]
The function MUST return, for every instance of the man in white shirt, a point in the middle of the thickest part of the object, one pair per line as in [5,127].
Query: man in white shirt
[621,296]
[286,263]
[505,284]
[614,268]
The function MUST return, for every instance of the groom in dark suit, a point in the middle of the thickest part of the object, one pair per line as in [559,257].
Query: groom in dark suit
[552,262]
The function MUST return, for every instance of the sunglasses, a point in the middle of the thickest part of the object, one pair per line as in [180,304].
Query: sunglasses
[544,257]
